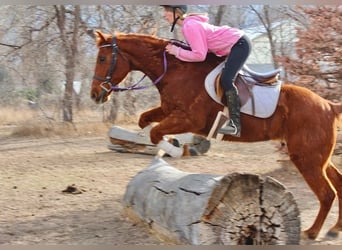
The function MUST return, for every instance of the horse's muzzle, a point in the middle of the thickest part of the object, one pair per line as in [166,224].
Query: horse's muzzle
[99,98]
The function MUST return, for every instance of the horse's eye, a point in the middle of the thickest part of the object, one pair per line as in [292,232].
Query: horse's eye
[102,59]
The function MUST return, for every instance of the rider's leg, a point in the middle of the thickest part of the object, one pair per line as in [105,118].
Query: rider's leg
[236,59]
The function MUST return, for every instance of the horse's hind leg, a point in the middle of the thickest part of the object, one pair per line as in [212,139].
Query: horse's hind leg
[312,167]
[319,184]
[335,177]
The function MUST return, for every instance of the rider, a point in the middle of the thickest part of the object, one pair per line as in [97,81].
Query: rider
[220,40]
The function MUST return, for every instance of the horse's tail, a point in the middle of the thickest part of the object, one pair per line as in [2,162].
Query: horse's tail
[337,108]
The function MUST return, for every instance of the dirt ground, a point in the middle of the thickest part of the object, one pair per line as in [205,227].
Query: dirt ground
[34,173]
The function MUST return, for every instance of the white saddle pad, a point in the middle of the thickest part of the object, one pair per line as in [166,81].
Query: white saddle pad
[265,97]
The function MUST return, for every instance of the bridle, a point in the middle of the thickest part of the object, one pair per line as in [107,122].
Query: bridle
[108,79]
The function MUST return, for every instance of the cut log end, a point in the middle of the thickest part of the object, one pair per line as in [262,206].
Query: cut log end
[248,210]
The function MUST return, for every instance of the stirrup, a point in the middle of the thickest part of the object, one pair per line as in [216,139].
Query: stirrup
[230,129]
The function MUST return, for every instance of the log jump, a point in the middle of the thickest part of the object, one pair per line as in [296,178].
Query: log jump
[204,209]
[129,141]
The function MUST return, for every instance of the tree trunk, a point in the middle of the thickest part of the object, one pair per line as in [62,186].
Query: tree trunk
[112,114]
[69,33]
[205,209]
[219,16]
[67,102]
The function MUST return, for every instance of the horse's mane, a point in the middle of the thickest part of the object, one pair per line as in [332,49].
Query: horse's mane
[151,40]
[154,43]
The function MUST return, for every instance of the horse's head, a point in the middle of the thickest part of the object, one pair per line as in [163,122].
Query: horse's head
[111,67]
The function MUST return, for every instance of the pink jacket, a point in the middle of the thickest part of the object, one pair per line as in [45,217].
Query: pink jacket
[204,37]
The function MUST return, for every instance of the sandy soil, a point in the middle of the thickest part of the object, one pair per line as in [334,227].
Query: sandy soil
[34,173]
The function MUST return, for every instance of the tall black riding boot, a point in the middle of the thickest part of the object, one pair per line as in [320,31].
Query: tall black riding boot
[233,127]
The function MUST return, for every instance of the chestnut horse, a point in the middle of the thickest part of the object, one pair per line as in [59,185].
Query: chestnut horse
[307,122]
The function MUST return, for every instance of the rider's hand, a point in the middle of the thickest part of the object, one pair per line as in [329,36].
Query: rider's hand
[172,49]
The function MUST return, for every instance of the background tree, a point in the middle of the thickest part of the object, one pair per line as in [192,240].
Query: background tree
[318,60]
[24,51]
[68,22]
[278,24]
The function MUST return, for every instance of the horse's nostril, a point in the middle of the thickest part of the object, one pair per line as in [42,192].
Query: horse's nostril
[93,96]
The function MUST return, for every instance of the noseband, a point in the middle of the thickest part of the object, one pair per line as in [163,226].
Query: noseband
[108,78]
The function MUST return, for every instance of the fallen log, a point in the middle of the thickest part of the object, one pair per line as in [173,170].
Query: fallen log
[128,141]
[204,209]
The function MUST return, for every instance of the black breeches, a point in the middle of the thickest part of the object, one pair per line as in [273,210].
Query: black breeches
[234,62]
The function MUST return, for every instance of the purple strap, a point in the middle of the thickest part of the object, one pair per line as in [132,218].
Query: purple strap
[136,87]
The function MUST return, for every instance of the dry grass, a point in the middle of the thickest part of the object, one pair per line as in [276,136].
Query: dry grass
[62,129]
[13,116]
[35,123]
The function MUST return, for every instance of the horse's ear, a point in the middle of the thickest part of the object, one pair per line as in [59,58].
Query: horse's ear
[100,37]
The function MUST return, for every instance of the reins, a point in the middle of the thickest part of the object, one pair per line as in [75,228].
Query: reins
[135,85]
[108,78]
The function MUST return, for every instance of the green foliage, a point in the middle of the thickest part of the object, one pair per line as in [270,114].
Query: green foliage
[30,94]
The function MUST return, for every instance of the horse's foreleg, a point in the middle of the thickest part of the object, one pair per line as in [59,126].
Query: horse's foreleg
[150,116]
[335,177]
[172,124]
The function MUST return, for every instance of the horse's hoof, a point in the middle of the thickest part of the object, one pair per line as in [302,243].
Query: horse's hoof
[174,142]
[201,144]
[193,152]
[332,234]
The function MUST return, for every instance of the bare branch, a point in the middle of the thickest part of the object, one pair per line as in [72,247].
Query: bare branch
[11,45]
